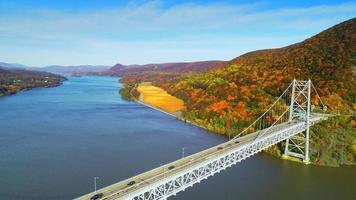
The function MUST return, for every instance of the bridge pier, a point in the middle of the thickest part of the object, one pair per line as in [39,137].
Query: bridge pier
[298,146]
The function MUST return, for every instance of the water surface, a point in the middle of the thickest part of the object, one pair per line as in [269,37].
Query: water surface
[55,140]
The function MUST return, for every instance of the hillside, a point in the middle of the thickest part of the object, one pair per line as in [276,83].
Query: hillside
[15,80]
[227,99]
[327,58]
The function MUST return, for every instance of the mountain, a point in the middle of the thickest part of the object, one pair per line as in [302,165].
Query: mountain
[227,99]
[13,80]
[120,70]
[328,58]
[14,65]
[58,69]
[74,70]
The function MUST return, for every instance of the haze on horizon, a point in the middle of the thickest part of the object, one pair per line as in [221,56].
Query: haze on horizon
[77,32]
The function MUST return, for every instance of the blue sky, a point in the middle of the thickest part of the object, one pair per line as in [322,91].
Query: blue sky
[105,32]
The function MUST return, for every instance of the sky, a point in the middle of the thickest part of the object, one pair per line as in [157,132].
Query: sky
[106,32]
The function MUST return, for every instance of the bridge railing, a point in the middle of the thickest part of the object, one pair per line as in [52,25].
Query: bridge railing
[194,173]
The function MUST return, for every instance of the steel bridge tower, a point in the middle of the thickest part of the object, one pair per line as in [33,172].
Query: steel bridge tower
[300,108]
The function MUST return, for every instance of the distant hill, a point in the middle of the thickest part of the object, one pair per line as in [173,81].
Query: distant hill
[121,70]
[58,69]
[14,65]
[75,70]
[13,80]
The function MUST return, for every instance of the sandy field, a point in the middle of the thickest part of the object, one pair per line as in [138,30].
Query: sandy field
[158,97]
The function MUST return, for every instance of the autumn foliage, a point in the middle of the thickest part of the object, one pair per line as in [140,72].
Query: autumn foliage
[228,99]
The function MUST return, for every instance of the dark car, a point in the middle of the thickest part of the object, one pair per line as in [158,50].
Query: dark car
[131,183]
[171,167]
[237,142]
[220,148]
[97,196]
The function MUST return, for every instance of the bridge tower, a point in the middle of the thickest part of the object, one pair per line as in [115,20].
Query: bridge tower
[300,108]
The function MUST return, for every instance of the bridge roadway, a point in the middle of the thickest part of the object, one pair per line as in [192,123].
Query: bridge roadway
[121,189]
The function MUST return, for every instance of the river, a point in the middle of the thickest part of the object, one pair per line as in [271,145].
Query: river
[54,141]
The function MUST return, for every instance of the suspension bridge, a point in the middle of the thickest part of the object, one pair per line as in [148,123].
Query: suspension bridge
[287,119]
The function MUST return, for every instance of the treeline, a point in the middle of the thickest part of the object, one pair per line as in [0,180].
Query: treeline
[15,80]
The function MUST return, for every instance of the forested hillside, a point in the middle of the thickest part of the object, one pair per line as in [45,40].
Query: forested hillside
[227,99]
[15,80]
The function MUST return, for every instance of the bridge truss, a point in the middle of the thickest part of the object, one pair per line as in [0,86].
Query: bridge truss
[187,178]
[298,145]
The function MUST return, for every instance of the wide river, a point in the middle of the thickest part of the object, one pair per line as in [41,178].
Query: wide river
[54,141]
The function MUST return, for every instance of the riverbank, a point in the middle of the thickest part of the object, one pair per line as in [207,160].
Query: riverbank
[13,81]
[15,91]
[158,99]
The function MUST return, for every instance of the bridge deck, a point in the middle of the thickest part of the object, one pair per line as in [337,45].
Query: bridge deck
[121,189]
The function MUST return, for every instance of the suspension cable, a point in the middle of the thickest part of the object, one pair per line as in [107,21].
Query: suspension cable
[317,94]
[266,130]
[238,135]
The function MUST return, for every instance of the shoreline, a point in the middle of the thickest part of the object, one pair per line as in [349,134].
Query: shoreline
[177,114]
[170,114]
[31,88]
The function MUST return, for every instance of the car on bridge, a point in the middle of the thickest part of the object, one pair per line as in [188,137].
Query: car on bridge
[220,148]
[131,183]
[96,196]
[171,167]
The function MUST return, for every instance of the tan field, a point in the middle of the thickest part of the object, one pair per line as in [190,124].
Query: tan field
[158,97]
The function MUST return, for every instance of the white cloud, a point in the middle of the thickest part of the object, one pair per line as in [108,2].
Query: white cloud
[158,34]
